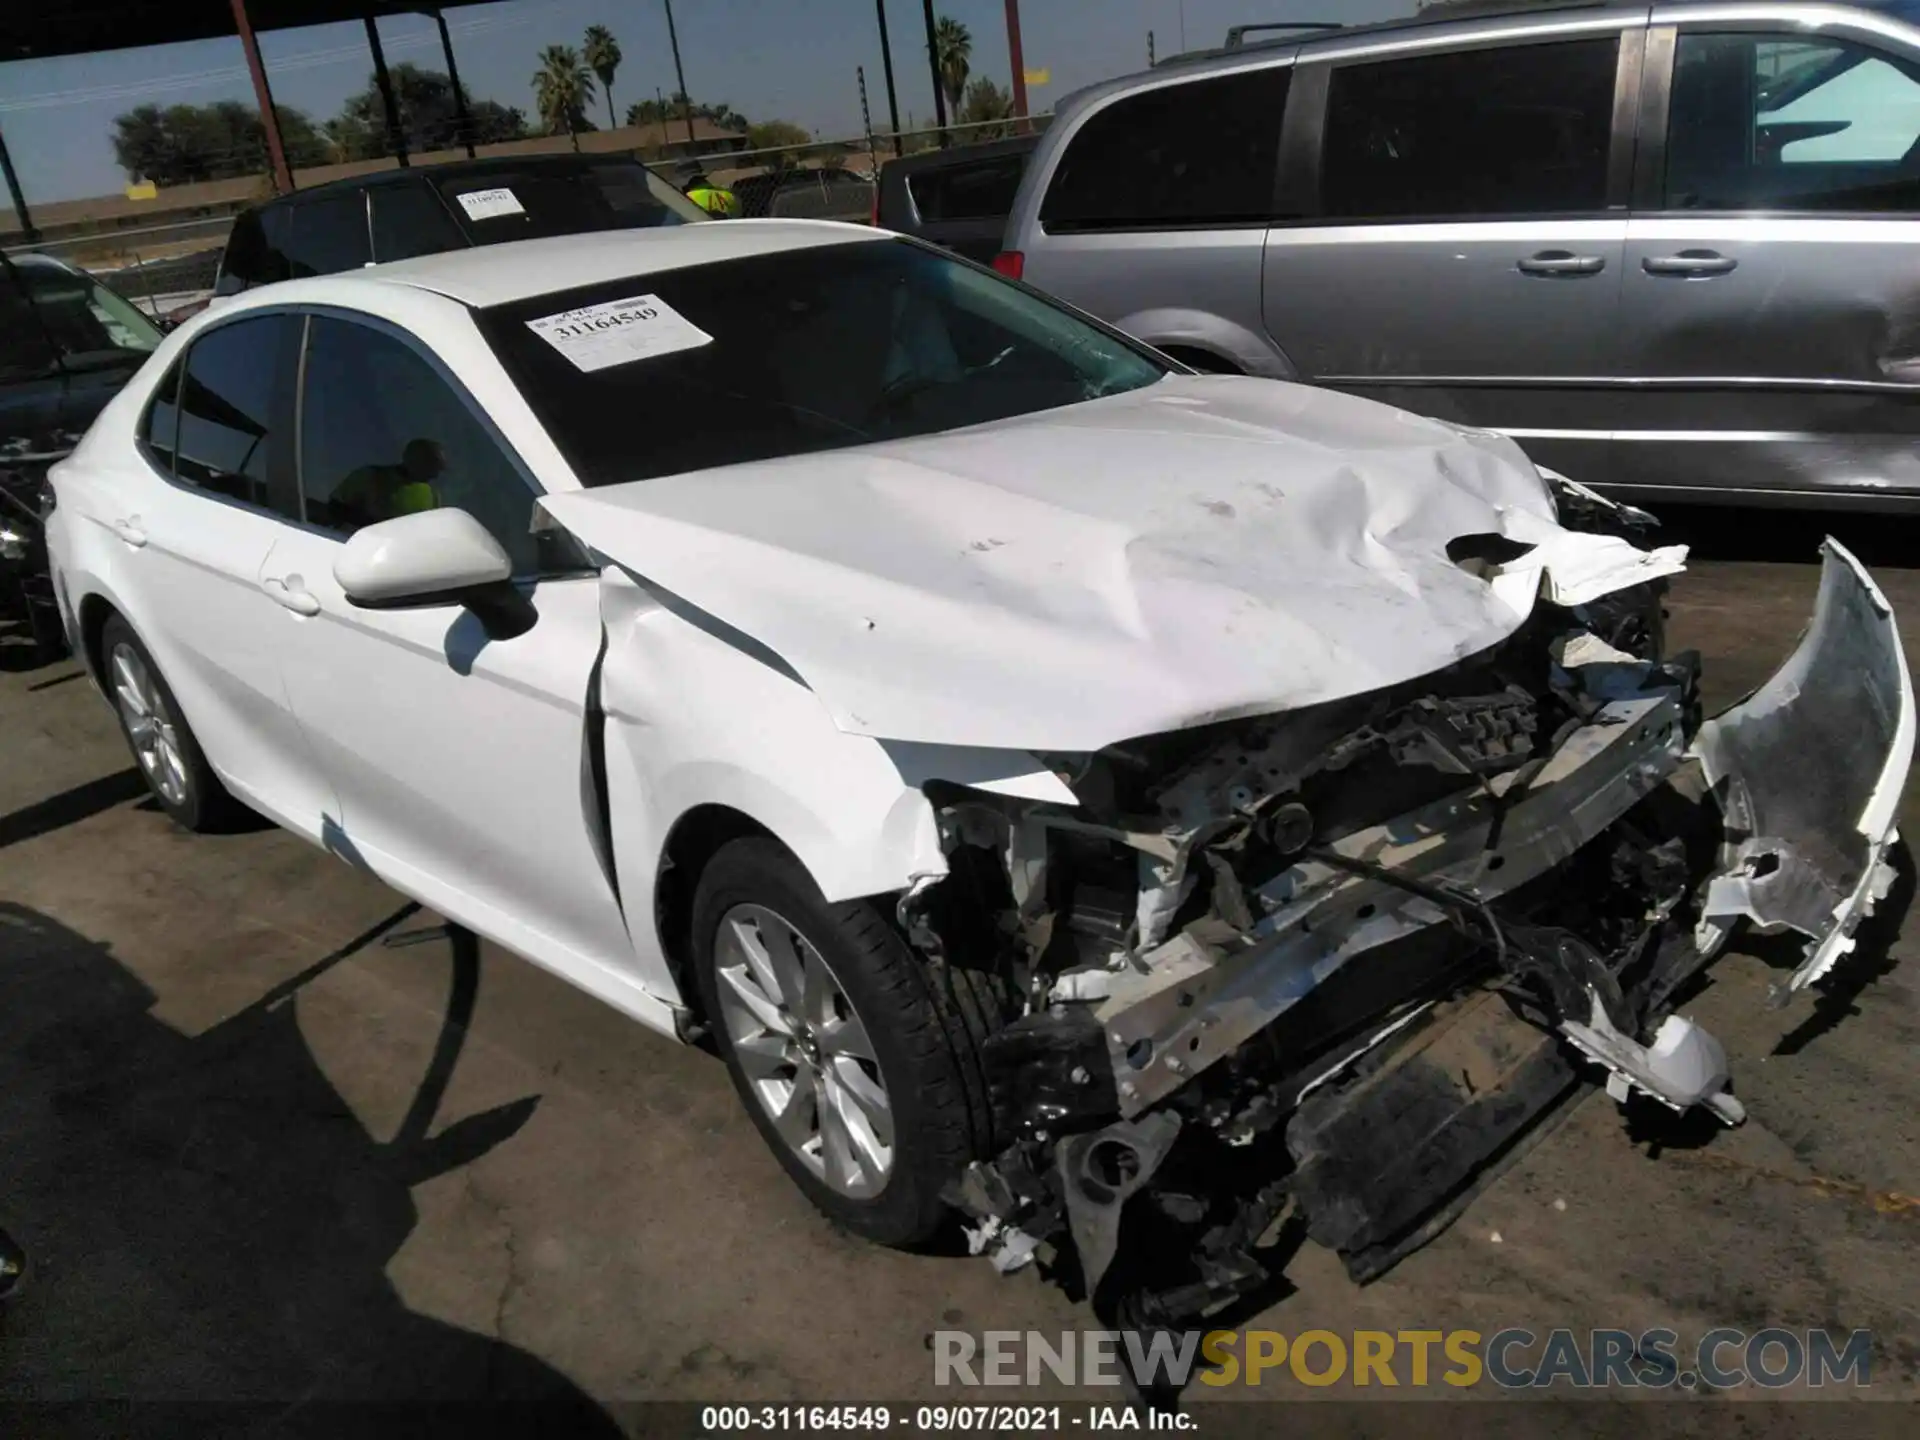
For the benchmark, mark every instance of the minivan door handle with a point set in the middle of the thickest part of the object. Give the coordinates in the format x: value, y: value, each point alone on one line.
x: 1562, y: 262
x: 1689, y: 263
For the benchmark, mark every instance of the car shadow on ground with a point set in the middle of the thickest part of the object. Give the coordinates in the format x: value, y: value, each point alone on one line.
x: 210, y: 1223
x: 1745, y: 532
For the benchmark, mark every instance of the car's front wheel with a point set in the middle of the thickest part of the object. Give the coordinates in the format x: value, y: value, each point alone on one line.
x: 851, y: 1065
x: 170, y: 758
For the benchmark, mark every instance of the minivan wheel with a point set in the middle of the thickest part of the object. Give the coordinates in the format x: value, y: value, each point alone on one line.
x: 163, y: 745
x: 836, y: 1042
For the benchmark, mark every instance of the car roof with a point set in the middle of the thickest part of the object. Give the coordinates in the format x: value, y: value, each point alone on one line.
x: 1466, y: 17
x: 447, y: 170
x: 937, y: 159
x: 488, y: 275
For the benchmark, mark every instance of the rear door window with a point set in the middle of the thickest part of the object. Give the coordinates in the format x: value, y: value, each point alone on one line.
x: 160, y: 426
x: 1188, y: 155
x: 328, y: 235
x: 409, y: 220
x: 983, y: 190
x: 26, y: 352
x: 1519, y: 130
x: 231, y: 430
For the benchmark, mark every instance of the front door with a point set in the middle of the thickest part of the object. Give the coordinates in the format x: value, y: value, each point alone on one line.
x: 1770, y: 269
x: 1463, y: 257
x: 460, y: 761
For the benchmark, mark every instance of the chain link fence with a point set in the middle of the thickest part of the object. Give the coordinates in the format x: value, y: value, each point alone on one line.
x: 163, y: 266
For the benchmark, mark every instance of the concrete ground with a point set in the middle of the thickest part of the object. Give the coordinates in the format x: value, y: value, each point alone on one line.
x: 254, y: 1153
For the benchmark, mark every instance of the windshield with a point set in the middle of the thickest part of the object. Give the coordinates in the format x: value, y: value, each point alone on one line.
x: 793, y: 352
x: 558, y: 199
x: 87, y: 323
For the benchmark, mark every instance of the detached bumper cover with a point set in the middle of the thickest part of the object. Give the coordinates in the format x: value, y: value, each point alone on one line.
x: 1808, y: 772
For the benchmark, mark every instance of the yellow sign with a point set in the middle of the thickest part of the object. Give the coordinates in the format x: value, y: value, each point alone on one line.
x: 1039, y: 77
x: 143, y: 190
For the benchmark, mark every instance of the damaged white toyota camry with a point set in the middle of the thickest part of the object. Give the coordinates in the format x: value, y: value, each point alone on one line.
x: 1115, y: 803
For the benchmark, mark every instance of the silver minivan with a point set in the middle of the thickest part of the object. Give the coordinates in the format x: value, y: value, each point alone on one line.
x: 1672, y: 248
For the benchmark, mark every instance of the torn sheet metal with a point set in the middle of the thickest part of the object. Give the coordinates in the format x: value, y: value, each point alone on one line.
x: 1195, y: 1003
x: 1809, y: 771
x: 1228, y: 549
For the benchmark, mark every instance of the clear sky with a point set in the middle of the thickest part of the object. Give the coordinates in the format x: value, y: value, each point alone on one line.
x: 770, y: 59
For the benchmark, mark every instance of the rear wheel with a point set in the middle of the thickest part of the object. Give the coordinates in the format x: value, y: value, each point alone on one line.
x: 164, y: 746
x: 837, y: 1042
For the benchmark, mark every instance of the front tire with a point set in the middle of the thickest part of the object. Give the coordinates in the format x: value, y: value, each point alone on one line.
x: 170, y: 759
x: 837, y: 1042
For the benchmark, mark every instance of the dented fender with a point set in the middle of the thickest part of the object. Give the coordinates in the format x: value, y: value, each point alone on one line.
x: 693, y: 715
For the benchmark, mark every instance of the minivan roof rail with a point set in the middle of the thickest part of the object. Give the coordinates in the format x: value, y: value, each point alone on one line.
x: 1237, y: 35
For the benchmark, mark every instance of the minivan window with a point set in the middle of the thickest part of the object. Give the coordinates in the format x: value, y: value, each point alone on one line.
x: 1762, y: 122
x: 409, y: 220
x: 328, y: 234
x: 1518, y: 130
x: 795, y: 352
x: 228, y: 434
x: 1199, y: 153
x: 983, y: 190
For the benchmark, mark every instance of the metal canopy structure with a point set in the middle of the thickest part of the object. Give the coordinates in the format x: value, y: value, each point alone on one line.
x: 81, y: 27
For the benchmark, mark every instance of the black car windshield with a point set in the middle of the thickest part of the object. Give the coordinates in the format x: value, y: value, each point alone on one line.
x: 794, y: 352
x: 512, y: 203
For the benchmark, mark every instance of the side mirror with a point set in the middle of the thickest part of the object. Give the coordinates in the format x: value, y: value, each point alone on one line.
x: 435, y: 557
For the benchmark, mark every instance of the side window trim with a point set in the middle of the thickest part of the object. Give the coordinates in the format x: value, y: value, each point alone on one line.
x: 1303, y: 142
x: 382, y: 326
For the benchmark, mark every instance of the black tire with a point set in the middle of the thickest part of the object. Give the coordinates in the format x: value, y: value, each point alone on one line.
x: 206, y: 806
x: 924, y: 1050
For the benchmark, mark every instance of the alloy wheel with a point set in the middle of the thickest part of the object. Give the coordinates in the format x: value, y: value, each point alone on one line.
x: 804, y: 1050
x: 150, y: 725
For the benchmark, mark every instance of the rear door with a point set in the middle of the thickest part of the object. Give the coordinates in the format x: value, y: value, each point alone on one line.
x: 194, y: 531
x: 1468, y: 204
x: 1772, y: 290
x: 1155, y: 212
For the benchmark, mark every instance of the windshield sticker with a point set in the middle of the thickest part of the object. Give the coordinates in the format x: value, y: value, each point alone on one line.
x: 619, y: 331
x: 491, y: 204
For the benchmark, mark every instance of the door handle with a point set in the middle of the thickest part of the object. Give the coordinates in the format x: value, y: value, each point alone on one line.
x: 129, y: 530
x: 1689, y: 263
x: 1562, y: 262
x: 292, y: 594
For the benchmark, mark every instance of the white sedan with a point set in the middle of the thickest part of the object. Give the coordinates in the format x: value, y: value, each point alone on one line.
x: 1050, y: 776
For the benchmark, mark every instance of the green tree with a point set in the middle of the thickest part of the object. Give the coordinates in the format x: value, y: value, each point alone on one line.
x: 186, y: 144
x: 985, y: 101
x: 562, y: 90
x: 953, y: 49
x: 602, y: 54
x: 429, y: 119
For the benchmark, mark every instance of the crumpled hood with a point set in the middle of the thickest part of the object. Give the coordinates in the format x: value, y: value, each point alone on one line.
x: 1202, y: 549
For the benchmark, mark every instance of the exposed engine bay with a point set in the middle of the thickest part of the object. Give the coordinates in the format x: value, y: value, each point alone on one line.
x: 1326, y: 967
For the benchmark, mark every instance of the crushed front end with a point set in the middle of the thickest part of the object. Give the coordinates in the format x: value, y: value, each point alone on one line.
x: 1326, y: 968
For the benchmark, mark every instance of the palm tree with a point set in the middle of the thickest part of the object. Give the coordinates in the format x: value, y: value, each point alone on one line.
x: 562, y: 89
x: 953, y: 47
x: 602, y: 54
